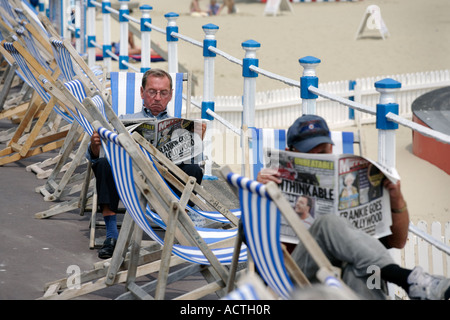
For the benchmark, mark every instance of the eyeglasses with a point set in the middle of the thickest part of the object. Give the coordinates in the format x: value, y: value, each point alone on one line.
x: 163, y: 93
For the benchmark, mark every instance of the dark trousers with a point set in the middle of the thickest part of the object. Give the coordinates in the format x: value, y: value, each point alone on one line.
x: 106, y: 188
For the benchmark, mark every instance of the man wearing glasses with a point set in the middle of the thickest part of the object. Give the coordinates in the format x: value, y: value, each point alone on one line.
x: 156, y: 93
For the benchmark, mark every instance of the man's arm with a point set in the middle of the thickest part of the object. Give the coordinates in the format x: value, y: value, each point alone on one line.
x: 94, y: 147
x: 400, y: 216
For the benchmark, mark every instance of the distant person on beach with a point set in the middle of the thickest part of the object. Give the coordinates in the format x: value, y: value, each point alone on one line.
x: 214, y: 8
x: 133, y: 49
x: 351, y: 249
x: 195, y: 9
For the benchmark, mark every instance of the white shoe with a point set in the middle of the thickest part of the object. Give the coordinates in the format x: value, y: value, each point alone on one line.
x: 425, y: 286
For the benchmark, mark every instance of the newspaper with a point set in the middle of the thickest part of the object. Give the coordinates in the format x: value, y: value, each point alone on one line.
x: 180, y: 140
x: 347, y: 185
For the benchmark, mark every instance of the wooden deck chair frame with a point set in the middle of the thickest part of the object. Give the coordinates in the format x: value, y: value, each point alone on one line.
x: 19, y: 105
x: 207, y: 205
x: 34, y: 143
x: 163, y: 191
x: 32, y: 111
x: 70, y: 71
x: 66, y: 161
x: 160, y: 197
x: 276, y: 267
x: 73, y: 92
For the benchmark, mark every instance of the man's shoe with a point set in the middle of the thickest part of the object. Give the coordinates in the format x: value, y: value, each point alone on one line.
x: 425, y: 286
x: 107, y: 250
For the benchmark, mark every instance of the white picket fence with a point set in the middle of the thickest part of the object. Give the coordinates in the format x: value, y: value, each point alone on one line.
x: 419, y: 252
x: 278, y: 108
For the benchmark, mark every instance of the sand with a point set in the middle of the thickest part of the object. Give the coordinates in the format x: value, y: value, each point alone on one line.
x: 418, y: 41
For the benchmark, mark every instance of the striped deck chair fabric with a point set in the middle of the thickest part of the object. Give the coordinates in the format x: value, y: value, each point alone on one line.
x: 64, y: 60
x: 261, y: 221
x: 77, y: 89
x: 277, y: 139
x: 33, y: 81
x: 212, y: 215
x: 126, y: 97
x: 261, y: 224
x: 122, y: 167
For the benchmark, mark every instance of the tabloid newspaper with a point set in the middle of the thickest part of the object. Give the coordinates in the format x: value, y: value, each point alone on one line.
x: 180, y: 140
x: 347, y: 185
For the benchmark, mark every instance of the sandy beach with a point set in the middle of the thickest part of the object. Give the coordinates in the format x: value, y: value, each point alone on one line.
x: 418, y: 41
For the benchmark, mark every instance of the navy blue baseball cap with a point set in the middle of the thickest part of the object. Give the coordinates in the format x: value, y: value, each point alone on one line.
x: 307, y: 132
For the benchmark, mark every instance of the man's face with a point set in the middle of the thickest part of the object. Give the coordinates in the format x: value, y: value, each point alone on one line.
x: 156, y: 94
x: 301, y: 206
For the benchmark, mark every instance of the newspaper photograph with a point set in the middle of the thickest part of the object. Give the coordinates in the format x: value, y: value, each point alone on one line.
x: 180, y: 140
x: 347, y: 185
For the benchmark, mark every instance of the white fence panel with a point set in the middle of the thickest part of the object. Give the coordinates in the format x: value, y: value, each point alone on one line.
x: 278, y: 108
x: 418, y: 252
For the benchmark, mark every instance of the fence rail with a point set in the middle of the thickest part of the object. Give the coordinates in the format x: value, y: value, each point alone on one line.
x: 277, y: 108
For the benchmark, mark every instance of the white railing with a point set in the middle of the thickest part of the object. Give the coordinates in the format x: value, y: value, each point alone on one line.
x: 420, y: 252
x: 277, y: 108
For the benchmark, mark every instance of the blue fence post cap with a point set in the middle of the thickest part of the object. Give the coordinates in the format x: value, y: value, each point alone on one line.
x: 388, y: 83
x: 145, y: 7
x: 309, y: 60
x: 171, y: 15
x: 210, y: 26
x: 251, y: 44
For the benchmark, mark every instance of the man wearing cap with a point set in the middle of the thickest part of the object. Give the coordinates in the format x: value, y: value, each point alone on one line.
x: 348, y: 248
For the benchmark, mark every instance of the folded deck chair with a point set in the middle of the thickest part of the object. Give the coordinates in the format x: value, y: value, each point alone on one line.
x: 260, y: 139
x: 262, y: 207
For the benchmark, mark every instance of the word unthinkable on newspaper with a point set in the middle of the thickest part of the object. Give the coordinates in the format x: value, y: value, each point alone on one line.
x: 347, y: 185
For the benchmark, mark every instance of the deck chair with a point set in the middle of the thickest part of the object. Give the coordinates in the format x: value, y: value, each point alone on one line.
x: 11, y: 78
x: 13, y: 105
x: 34, y: 143
x: 126, y: 99
x: 262, y: 207
x: 73, y: 92
x: 260, y: 139
x: 68, y: 160
x: 125, y: 158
